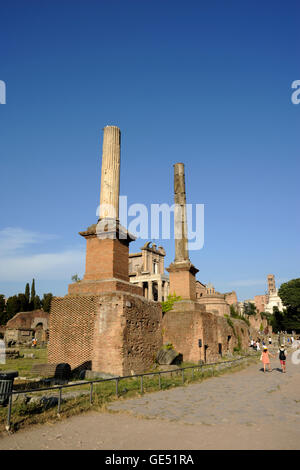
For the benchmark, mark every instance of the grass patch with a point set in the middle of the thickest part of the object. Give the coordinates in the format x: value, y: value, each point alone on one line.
x: 24, y: 364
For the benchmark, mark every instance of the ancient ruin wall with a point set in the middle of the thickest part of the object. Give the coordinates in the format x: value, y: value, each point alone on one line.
x: 116, y: 333
x: 71, y: 332
x: 184, y: 329
x: 127, y: 334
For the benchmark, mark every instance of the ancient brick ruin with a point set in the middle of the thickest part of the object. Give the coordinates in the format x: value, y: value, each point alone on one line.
x: 24, y: 326
x: 106, y: 324
x: 190, y: 326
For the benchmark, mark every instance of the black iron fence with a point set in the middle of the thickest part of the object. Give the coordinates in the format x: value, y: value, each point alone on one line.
x: 59, y: 388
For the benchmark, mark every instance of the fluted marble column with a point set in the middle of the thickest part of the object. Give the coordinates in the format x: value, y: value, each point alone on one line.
x: 180, y: 219
x: 110, y: 173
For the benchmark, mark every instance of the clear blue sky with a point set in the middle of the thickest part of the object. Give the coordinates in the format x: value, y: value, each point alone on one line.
x: 204, y: 83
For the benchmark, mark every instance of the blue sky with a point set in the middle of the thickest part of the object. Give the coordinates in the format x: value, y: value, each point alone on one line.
x: 203, y: 83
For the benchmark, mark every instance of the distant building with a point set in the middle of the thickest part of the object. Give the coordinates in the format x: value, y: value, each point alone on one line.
x: 260, y: 302
x: 147, y: 270
x: 266, y: 302
x: 26, y: 325
x: 214, y: 301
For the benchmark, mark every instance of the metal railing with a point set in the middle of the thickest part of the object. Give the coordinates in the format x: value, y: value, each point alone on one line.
x: 117, y: 381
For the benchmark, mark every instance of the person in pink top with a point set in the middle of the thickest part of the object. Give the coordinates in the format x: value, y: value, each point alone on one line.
x: 265, y: 358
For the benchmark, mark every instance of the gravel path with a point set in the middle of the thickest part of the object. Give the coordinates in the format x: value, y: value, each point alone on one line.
x: 243, y: 410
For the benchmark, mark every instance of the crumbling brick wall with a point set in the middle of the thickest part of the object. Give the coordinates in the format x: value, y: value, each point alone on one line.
x: 71, y: 332
x: 116, y: 333
x: 127, y: 334
x: 184, y: 329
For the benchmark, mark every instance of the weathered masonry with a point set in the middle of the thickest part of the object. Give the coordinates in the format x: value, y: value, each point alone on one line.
x: 105, y: 323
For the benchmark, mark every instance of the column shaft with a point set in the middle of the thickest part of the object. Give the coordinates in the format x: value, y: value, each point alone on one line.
x: 110, y: 173
x: 180, y: 219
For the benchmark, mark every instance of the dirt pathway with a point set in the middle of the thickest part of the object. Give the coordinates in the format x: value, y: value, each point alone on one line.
x: 242, y: 410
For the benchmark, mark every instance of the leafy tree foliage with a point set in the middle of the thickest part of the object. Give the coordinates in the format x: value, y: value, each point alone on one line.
x: 289, y: 292
x: 75, y: 278
x: 168, y: 304
x: 27, y: 293
x: 46, y: 302
x: 32, y: 293
x: 249, y: 308
x: 23, y: 303
x: 2, y: 303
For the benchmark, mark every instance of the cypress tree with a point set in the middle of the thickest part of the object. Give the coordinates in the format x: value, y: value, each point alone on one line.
x: 36, y: 303
x: 27, y: 294
x: 33, y: 294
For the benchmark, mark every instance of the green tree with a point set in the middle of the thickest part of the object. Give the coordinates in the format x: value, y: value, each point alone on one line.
x: 3, y: 319
x: 276, y: 320
x: 23, y: 304
x: 289, y: 292
x: 249, y: 308
x: 33, y: 293
x: 2, y: 303
x: 12, y: 306
x: 46, y: 302
x: 168, y: 304
x: 75, y: 278
x: 27, y: 294
x: 37, y: 303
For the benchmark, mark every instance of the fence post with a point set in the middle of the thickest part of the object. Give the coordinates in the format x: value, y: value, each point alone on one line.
x: 7, y: 427
x: 182, y: 372
x: 59, y: 401
x: 117, y: 387
x: 142, y: 390
x: 193, y: 373
x: 159, y: 381
x: 91, y: 393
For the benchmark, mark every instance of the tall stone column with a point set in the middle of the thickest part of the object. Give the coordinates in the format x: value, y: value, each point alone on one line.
x: 150, y: 290
x: 180, y: 219
x: 166, y: 290
x: 107, y: 248
x: 110, y: 173
x: 159, y: 290
x: 182, y: 271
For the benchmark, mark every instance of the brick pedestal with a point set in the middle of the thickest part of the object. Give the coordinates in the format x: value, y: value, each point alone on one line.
x: 182, y: 279
x: 106, y: 267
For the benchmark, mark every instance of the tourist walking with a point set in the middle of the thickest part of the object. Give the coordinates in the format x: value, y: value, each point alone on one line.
x: 282, y: 358
x: 265, y: 358
x: 270, y: 340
